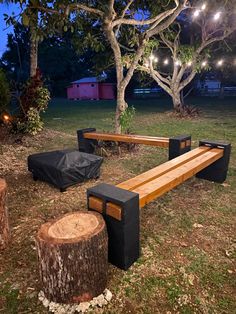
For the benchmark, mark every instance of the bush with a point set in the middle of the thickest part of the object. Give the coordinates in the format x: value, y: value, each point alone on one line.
x: 4, y: 92
x: 126, y: 119
x: 33, y: 101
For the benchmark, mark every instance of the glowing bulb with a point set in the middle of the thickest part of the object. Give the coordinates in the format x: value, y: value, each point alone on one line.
x: 196, y: 13
x: 189, y: 63
x: 220, y: 63
x: 217, y: 16
x: 152, y: 57
x: 6, y: 117
x: 166, y: 61
x: 204, y: 63
x: 203, y: 7
x: 155, y: 60
x: 178, y: 63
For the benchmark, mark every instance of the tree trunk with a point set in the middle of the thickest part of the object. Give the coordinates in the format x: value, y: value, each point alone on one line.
x: 73, y: 257
x: 120, y: 107
x: 33, y: 56
x: 222, y: 91
x: 4, y: 223
x: 178, y: 104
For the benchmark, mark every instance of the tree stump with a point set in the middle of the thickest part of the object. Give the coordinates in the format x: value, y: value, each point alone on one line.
x: 73, y: 257
x: 4, y: 223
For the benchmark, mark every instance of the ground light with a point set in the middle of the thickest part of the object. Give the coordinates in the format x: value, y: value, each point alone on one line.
x: 6, y: 117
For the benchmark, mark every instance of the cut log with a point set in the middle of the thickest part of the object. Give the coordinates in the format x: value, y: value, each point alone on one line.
x: 73, y: 257
x: 4, y: 222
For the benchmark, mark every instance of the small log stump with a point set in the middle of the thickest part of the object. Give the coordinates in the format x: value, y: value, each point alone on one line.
x: 4, y: 222
x: 73, y: 257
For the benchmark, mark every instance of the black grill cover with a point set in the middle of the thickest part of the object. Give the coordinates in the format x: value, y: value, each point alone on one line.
x: 63, y: 168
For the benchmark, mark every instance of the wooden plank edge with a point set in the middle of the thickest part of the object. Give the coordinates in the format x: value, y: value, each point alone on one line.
x: 112, y: 210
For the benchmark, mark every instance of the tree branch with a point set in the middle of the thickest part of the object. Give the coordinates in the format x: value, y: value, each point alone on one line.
x: 123, y: 15
x: 167, y: 42
x: 208, y: 42
x: 187, y: 80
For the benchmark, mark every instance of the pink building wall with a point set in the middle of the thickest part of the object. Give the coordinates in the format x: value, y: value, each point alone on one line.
x: 90, y: 91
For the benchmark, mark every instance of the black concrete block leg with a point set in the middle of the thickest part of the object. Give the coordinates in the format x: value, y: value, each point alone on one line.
x: 179, y: 145
x: 123, y: 236
x: 86, y: 145
x: 216, y: 172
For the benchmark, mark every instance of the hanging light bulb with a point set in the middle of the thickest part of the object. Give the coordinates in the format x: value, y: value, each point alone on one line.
x: 220, y: 63
x: 217, y: 16
x: 155, y: 60
x: 204, y: 63
x: 203, y: 7
x: 178, y: 63
x: 189, y: 63
x: 196, y: 13
x: 166, y: 61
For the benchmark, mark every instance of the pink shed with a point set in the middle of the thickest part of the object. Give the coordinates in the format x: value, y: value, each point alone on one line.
x: 90, y: 88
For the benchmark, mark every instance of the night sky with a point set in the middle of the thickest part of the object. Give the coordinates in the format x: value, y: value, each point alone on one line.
x: 8, y: 9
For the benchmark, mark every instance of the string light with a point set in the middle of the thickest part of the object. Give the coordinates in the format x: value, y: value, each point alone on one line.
x: 178, y: 63
x: 166, y: 61
x: 217, y: 16
x: 220, y: 62
x: 203, y: 7
x: 196, y: 13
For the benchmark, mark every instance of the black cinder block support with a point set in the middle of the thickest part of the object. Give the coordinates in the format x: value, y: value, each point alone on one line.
x: 179, y: 145
x: 123, y: 236
x: 86, y: 145
x: 217, y: 172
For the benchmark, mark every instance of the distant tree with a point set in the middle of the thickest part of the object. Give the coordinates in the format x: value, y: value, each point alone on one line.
x: 4, y: 92
x: 181, y: 50
x: 15, y: 59
x: 53, y: 51
x: 115, y: 18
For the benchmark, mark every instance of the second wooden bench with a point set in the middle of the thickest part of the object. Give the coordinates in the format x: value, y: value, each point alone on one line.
x: 120, y: 204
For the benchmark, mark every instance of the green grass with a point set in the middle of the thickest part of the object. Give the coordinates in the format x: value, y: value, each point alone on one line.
x: 172, y: 249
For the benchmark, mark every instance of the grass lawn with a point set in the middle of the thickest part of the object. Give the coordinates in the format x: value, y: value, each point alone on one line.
x: 188, y: 236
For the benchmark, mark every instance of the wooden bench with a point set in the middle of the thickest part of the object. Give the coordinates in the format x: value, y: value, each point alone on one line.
x: 88, y: 140
x: 210, y: 161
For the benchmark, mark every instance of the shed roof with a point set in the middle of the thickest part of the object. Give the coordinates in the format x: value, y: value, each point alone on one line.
x: 88, y: 80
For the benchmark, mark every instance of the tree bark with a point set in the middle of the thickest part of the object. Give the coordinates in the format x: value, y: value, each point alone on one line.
x: 33, y: 56
x: 73, y: 257
x: 4, y: 223
x: 121, y: 106
x: 178, y: 104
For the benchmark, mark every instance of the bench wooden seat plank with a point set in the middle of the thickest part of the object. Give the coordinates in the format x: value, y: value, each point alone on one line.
x: 157, y: 187
x: 156, y: 172
x: 138, y: 139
